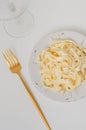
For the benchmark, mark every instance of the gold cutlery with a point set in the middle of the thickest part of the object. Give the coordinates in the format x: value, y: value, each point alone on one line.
x: 15, y: 67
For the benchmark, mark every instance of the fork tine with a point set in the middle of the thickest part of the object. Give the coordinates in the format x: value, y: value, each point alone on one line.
x: 10, y: 59
x: 13, y: 56
x: 6, y: 59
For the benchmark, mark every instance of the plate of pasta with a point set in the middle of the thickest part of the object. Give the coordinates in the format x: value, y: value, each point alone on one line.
x: 58, y: 66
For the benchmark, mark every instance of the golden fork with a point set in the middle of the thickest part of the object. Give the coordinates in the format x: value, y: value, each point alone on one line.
x: 15, y: 67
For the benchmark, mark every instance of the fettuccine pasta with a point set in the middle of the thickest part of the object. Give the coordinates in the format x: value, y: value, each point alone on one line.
x: 62, y: 65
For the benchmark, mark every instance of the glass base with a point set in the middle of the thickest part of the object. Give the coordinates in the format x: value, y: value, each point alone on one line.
x: 21, y: 26
x: 10, y: 9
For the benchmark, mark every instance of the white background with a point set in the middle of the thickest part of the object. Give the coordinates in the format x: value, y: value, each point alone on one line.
x: 16, y: 110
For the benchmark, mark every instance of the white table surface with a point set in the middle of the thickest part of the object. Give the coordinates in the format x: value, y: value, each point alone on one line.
x: 16, y: 110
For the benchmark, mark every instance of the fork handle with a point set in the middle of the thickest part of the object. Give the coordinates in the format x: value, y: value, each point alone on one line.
x: 34, y: 101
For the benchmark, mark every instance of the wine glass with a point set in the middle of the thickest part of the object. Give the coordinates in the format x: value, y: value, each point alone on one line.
x: 17, y: 20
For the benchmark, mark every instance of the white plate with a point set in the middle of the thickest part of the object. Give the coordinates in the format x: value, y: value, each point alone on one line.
x: 74, y: 95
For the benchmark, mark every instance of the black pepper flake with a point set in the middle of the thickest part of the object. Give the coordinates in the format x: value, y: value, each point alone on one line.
x: 62, y: 33
x: 36, y: 83
x: 35, y: 51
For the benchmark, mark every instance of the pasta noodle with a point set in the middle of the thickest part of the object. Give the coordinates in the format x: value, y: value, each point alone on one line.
x: 62, y: 65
